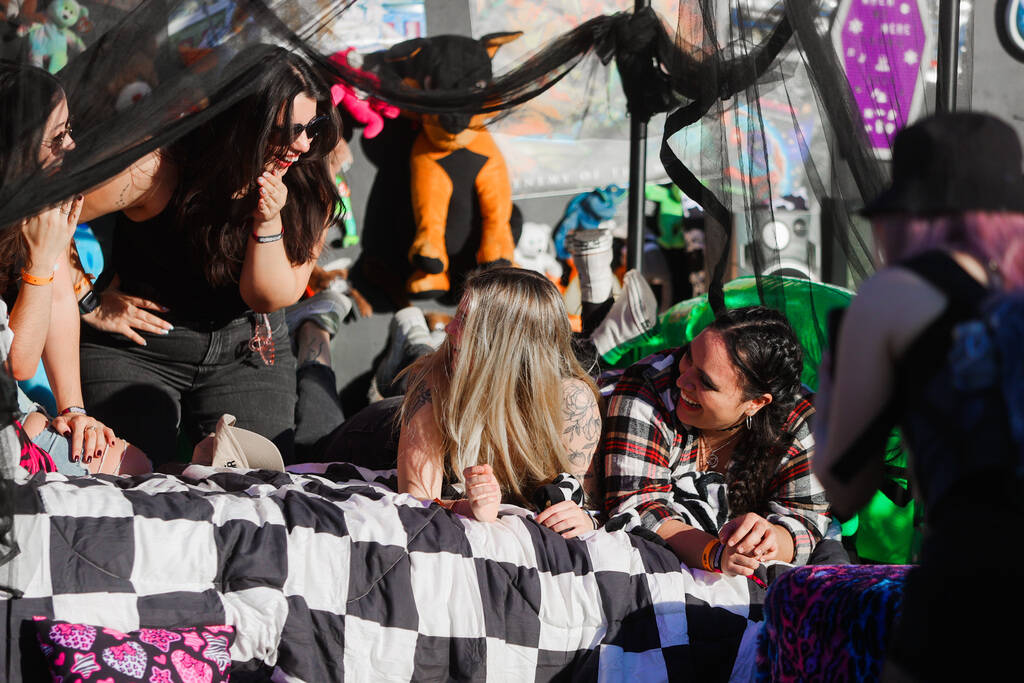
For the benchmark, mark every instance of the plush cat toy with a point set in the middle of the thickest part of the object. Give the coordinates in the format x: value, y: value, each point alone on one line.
x: 53, y: 42
x: 456, y: 178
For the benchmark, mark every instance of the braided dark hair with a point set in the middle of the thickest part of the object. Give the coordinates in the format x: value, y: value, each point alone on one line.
x: 765, y: 350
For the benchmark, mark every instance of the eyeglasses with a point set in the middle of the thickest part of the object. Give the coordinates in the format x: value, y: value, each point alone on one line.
x: 312, y: 129
x: 58, y: 140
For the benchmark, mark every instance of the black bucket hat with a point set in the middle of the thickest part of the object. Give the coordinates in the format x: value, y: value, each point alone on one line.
x: 953, y: 163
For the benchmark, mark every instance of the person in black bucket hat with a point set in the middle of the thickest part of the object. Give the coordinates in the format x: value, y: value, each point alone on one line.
x: 952, y: 163
x: 912, y: 351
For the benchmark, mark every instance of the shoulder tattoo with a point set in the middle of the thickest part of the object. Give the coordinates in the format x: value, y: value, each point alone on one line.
x: 415, y: 402
x: 581, y: 422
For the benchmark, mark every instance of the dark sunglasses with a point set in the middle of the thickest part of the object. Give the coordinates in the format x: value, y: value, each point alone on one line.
x: 312, y: 129
x: 58, y: 140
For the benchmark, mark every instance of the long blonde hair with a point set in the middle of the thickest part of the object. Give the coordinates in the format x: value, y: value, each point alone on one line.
x: 497, y: 392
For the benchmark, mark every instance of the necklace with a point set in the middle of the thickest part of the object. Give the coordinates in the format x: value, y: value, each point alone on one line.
x: 711, y: 459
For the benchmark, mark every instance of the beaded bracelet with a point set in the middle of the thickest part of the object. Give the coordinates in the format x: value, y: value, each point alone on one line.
x: 267, y: 239
x: 30, y: 279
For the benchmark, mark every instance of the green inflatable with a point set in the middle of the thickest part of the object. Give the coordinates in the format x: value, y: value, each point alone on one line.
x: 884, y: 530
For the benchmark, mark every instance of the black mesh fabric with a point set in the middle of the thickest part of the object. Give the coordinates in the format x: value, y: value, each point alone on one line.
x: 731, y: 77
x: 708, y: 75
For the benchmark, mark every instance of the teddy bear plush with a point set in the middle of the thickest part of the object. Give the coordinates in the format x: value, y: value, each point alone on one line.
x: 535, y: 250
x: 455, y: 176
x: 54, y: 41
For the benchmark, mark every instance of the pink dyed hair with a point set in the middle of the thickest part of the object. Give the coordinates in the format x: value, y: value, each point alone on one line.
x: 994, y: 238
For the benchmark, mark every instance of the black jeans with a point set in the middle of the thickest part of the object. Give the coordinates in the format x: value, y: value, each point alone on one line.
x: 317, y: 411
x: 187, y: 379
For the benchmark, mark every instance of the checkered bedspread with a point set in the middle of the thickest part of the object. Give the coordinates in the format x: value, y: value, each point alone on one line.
x: 329, y: 575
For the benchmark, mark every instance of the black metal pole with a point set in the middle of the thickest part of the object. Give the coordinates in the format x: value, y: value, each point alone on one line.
x: 637, y: 180
x: 949, y: 55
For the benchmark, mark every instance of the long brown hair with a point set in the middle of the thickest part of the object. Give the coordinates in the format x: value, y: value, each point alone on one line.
x: 224, y: 158
x: 29, y: 95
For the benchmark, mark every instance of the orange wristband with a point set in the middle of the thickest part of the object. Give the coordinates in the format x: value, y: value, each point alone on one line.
x: 705, y: 556
x: 80, y: 285
x: 33, y: 280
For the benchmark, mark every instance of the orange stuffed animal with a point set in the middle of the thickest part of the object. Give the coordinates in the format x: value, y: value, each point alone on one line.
x: 459, y: 186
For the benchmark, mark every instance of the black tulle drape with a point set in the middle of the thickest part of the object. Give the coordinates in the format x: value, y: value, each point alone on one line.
x: 730, y: 76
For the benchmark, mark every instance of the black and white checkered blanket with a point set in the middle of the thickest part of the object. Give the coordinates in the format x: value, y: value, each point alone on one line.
x: 329, y: 575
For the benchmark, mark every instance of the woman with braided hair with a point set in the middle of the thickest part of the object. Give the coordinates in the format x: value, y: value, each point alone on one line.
x: 709, y: 447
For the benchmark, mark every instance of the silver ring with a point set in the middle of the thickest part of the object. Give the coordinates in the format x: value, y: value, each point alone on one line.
x: 88, y: 428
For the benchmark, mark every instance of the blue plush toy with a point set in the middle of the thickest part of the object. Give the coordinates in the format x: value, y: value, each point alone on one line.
x: 587, y: 210
x: 53, y: 42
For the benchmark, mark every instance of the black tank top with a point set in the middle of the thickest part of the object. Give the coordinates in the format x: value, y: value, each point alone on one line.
x: 154, y: 259
x: 956, y: 437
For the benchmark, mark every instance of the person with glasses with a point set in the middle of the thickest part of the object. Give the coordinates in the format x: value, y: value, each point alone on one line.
x: 35, y: 281
x: 215, y: 234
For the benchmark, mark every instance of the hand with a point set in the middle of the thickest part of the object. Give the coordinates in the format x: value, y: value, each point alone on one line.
x: 737, y: 564
x: 120, y: 313
x: 751, y: 535
x: 89, y: 437
x: 567, y: 518
x: 49, y: 233
x: 340, y: 157
x: 482, y: 492
x: 273, y: 196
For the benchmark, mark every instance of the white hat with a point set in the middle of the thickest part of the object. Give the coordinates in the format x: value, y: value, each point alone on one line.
x: 237, y: 448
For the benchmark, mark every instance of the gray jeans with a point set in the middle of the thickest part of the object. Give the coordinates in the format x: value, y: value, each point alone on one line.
x: 186, y: 380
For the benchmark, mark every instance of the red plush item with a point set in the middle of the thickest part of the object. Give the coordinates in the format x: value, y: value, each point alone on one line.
x: 80, y: 652
x: 369, y: 111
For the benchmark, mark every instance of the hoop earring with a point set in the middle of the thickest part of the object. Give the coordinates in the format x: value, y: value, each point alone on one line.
x: 749, y: 421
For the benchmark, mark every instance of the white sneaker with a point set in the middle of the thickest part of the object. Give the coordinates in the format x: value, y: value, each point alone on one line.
x: 632, y: 314
x: 326, y: 308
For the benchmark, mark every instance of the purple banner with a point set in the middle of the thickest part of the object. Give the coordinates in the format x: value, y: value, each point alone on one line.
x: 881, y: 44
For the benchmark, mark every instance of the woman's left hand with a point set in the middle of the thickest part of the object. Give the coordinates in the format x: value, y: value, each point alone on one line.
x: 567, y: 518
x: 482, y: 492
x: 273, y: 196
x: 751, y: 535
x: 89, y: 437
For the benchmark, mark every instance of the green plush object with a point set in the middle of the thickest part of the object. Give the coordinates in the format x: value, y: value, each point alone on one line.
x: 884, y: 532
x: 670, y: 214
x: 805, y: 303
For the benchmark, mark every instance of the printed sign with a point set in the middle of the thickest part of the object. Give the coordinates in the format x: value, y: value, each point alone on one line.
x: 882, y: 44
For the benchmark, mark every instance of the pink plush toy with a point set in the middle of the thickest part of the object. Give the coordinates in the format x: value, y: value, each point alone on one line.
x: 369, y: 111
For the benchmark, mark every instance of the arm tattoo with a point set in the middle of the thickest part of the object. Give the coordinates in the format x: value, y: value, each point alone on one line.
x: 417, y: 401
x: 581, y: 428
x: 121, y: 201
x: 581, y: 458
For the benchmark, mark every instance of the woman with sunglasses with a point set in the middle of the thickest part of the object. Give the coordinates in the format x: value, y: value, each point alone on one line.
x: 35, y: 282
x: 217, y: 232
